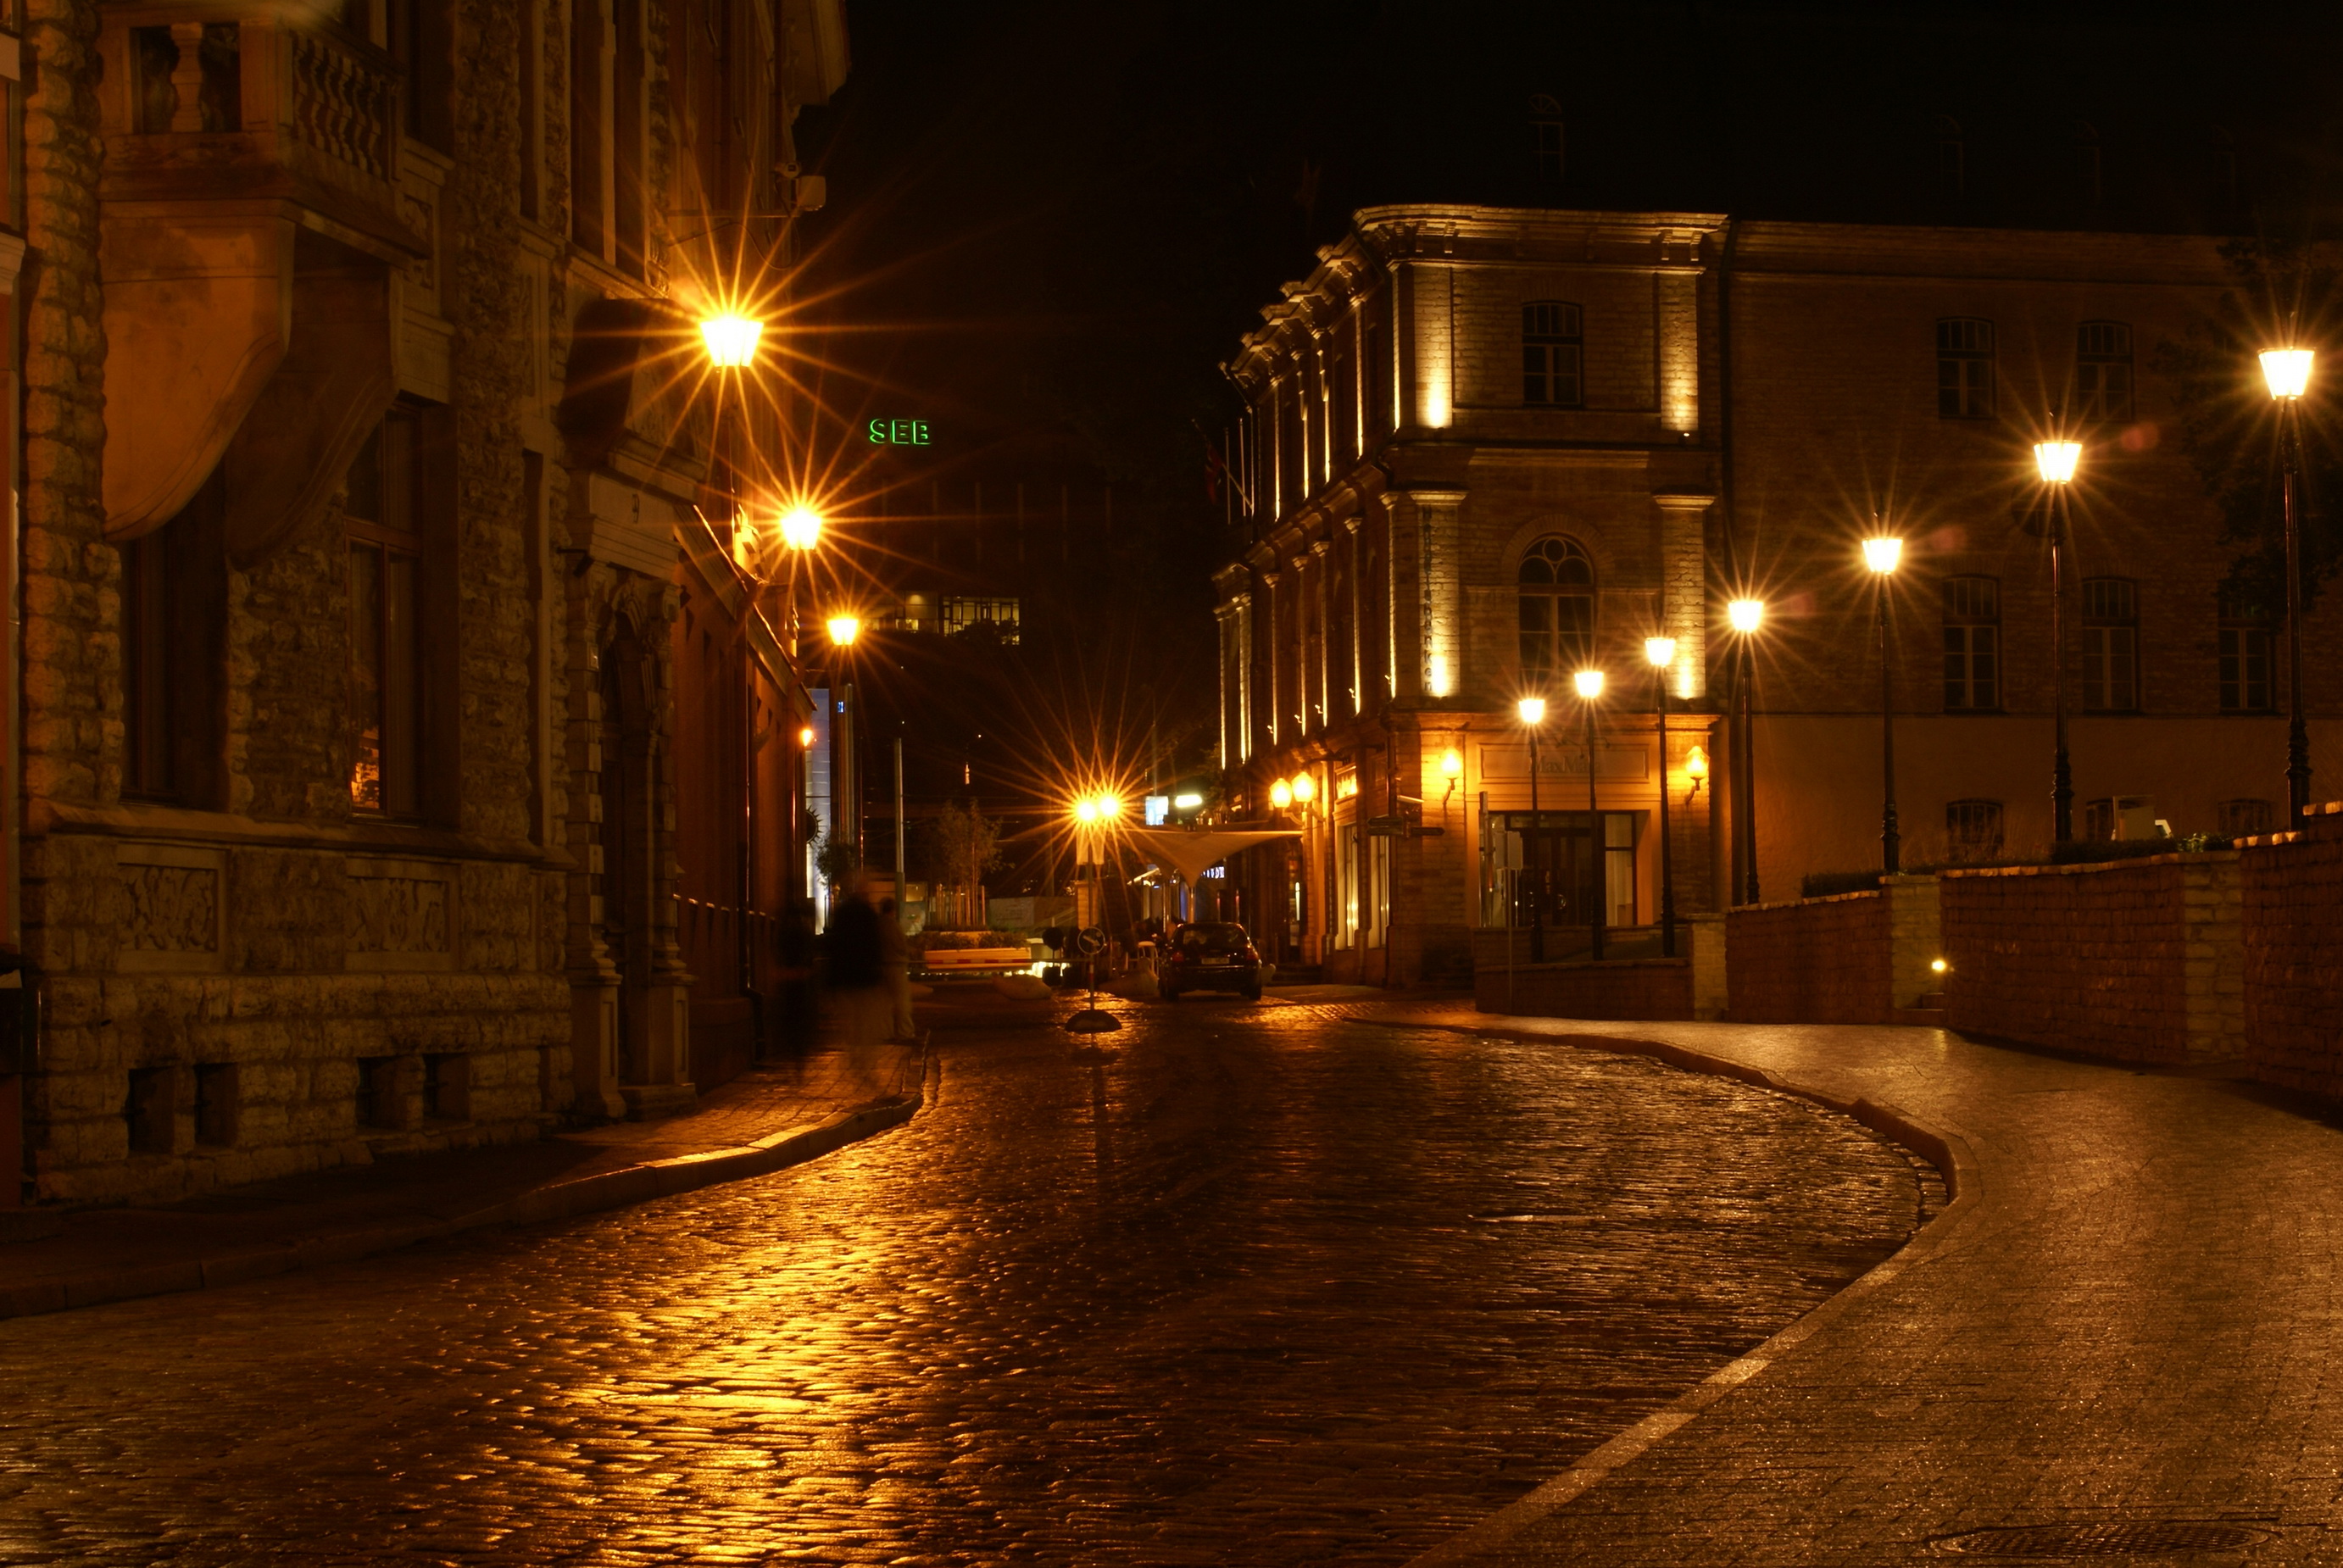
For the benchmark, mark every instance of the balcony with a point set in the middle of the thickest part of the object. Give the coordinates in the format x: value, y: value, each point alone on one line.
x: 251, y: 220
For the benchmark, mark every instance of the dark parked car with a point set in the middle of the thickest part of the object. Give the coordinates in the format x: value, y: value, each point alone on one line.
x: 1210, y: 955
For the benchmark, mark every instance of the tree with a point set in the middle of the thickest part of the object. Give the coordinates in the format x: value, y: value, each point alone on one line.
x: 958, y: 845
x: 836, y: 859
x: 2229, y: 423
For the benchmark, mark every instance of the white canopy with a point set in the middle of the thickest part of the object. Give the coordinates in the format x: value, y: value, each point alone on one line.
x: 1188, y: 855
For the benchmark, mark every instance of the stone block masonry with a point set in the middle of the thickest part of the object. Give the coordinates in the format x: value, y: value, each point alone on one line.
x: 2291, y: 889
x: 1810, y: 961
x: 2140, y: 961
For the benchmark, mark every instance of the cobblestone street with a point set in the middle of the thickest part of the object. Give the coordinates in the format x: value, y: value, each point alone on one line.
x: 1260, y: 1286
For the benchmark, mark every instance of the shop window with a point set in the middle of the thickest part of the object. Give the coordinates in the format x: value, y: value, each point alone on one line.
x: 1556, y: 583
x: 2110, y: 645
x: 1972, y: 645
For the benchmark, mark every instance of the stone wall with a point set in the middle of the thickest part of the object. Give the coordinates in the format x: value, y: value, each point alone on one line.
x: 1811, y: 961
x: 2291, y: 888
x: 2141, y: 960
x: 1645, y: 989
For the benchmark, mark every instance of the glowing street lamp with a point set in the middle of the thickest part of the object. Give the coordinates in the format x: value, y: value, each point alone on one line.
x: 1305, y: 787
x: 1280, y: 795
x: 1532, y: 714
x: 1589, y: 683
x: 2055, y: 460
x: 1659, y: 652
x: 1882, y: 553
x: 844, y: 629
x: 800, y: 527
x: 731, y: 339
x: 2287, y: 371
x: 1746, y: 616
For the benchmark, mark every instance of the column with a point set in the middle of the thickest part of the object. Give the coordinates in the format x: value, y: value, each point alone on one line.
x: 1683, y: 589
x: 1678, y: 308
x: 1276, y: 654
x: 1225, y: 615
x: 1350, y: 527
x: 1403, y: 604
x: 1322, y: 554
x: 1441, y: 573
x: 1242, y: 604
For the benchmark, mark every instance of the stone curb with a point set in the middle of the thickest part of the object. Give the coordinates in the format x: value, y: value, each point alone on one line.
x: 1947, y: 1151
x: 617, y: 1188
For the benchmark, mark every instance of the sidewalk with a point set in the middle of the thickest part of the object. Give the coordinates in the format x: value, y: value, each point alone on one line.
x: 2120, y: 1338
x: 770, y: 1118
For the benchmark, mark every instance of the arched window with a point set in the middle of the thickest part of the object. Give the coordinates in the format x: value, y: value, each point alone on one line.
x: 1551, y: 344
x: 1557, y: 609
x: 1546, y: 143
x: 1952, y: 157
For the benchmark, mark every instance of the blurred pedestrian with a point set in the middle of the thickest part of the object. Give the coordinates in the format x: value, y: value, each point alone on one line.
x: 895, y: 959
x: 857, y: 979
x: 799, y: 1003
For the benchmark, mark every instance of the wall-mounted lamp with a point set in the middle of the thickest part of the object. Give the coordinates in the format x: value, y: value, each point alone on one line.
x: 1695, y: 769
x: 1452, y: 768
x: 1280, y: 795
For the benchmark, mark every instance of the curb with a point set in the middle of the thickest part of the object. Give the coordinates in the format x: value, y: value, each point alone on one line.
x: 1947, y: 1151
x: 617, y: 1188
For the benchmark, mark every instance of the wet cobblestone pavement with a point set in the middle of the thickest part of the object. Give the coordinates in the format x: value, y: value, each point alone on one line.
x: 1256, y: 1286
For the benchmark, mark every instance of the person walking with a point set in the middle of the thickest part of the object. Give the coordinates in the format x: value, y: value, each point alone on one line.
x: 797, y: 1002
x: 857, y: 979
x: 895, y: 961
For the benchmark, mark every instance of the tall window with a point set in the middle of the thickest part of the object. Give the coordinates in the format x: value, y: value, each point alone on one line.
x: 2245, y: 662
x: 1964, y: 367
x: 2103, y: 370
x: 1952, y: 157
x: 1557, y: 607
x: 1972, y: 829
x: 1551, y: 343
x: 1972, y: 644
x: 385, y: 642
x: 2083, y: 152
x: 2110, y: 645
x: 174, y: 595
x: 1546, y: 144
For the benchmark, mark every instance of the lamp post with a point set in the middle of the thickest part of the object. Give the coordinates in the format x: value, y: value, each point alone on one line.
x: 845, y: 770
x: 1661, y: 652
x: 1881, y: 554
x: 1532, y: 714
x: 1589, y: 683
x: 2287, y: 371
x: 2056, y: 459
x: 1745, y: 616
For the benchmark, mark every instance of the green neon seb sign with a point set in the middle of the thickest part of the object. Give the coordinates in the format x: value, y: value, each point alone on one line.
x: 900, y: 433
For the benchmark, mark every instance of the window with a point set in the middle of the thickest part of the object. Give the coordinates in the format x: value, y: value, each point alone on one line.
x: 997, y: 615
x: 1551, y: 343
x: 386, y: 641
x: 1557, y: 607
x: 173, y: 596
x: 1952, y: 158
x: 1546, y: 142
x: 2245, y: 662
x: 2103, y: 371
x: 2100, y: 819
x: 1972, y: 829
x: 2110, y: 645
x: 1972, y: 644
x: 2083, y: 152
x: 2222, y: 159
x: 1964, y: 369
x: 2244, y: 819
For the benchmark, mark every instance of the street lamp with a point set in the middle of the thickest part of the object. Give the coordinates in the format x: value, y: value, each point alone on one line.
x: 1532, y: 714
x: 1745, y: 616
x: 1305, y: 787
x: 731, y: 339
x: 844, y: 629
x: 1280, y: 795
x: 801, y: 529
x: 1589, y: 683
x: 1661, y: 652
x: 1882, y: 554
x: 2055, y: 460
x: 2287, y: 371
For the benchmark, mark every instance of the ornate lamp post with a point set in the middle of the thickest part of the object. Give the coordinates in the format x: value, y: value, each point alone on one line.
x: 2056, y: 459
x: 1661, y: 652
x: 1882, y: 554
x: 1745, y: 616
x: 1590, y: 688
x: 1532, y: 714
x: 2287, y: 371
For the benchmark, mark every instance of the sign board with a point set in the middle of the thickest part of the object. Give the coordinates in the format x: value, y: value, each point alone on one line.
x: 1564, y: 760
x: 899, y: 432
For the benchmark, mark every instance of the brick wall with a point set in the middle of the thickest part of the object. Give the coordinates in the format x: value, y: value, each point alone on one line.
x: 1813, y: 960
x: 2142, y: 961
x: 2291, y: 888
x: 1646, y: 988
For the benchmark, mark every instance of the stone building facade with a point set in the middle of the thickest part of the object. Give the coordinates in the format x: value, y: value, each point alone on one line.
x: 1490, y: 447
x: 375, y: 514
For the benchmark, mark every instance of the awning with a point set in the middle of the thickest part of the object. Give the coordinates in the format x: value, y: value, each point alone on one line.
x: 1188, y: 855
